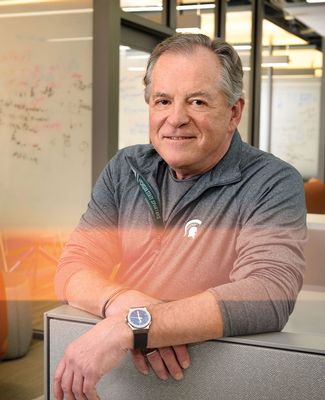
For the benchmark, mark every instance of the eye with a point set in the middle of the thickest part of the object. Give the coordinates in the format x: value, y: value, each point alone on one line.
x: 161, y: 102
x: 198, y: 102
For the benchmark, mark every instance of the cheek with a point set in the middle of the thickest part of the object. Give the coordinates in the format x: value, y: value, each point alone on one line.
x: 209, y: 126
x: 220, y: 122
x: 156, y: 120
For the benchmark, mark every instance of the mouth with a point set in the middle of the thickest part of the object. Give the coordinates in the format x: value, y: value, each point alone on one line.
x: 178, y: 138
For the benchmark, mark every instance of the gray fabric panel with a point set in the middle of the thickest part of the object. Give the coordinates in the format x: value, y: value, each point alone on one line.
x: 219, y: 371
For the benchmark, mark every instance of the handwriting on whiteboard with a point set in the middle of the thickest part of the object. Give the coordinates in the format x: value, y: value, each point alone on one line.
x: 43, y: 105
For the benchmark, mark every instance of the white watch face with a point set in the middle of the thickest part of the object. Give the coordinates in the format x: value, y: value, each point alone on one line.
x: 139, y: 318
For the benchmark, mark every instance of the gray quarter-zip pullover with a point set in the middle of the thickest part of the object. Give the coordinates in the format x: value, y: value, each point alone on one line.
x: 238, y: 230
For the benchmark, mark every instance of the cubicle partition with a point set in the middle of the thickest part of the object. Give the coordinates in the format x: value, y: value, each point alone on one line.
x: 284, y: 365
x: 274, y: 366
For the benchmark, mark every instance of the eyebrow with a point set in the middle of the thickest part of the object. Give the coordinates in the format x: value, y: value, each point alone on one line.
x: 160, y: 94
x: 199, y: 93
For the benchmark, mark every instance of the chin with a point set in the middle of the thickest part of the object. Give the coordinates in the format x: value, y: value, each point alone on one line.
x: 179, y: 169
x: 175, y: 162
x: 175, y: 157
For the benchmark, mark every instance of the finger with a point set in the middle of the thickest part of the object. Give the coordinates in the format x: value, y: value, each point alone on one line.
x: 157, y: 365
x: 140, y: 362
x: 66, y: 384
x: 182, y: 355
x: 77, y: 387
x: 89, y: 389
x: 171, y: 362
x: 57, y: 389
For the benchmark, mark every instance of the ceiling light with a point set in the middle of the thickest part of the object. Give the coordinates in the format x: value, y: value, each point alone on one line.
x: 288, y: 17
x: 242, y: 47
x: 307, y: 31
x: 195, y: 7
x: 188, y: 30
x: 142, y: 9
x: 318, y: 72
x: 139, y: 57
x: 136, y: 69
x: 124, y: 48
x: 71, y: 39
x: 185, y: 7
x: 42, y: 13
x: 315, y: 1
x: 20, y: 2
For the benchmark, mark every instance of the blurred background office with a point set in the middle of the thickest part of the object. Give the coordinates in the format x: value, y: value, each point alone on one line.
x: 71, y: 95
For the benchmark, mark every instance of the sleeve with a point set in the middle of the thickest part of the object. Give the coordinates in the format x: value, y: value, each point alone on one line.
x: 94, y: 244
x: 268, y: 272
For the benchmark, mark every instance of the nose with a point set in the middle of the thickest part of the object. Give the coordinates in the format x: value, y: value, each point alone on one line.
x: 178, y: 115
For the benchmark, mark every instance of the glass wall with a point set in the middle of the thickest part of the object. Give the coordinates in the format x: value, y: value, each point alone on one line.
x: 195, y: 17
x: 290, y: 99
x: 191, y: 16
x: 45, y: 139
x: 239, y: 33
x: 149, y: 9
x: 133, y: 112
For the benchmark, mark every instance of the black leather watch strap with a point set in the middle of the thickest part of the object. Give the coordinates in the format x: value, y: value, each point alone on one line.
x: 140, y: 339
x: 139, y: 320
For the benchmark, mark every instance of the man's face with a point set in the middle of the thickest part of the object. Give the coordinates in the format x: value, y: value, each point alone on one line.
x: 191, y: 124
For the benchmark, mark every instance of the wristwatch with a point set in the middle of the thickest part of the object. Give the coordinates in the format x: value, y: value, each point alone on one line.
x: 139, y: 320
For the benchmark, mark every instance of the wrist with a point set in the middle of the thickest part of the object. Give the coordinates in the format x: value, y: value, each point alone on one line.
x: 127, y: 334
x: 139, y: 321
x: 117, y: 330
x: 111, y: 299
x: 130, y: 298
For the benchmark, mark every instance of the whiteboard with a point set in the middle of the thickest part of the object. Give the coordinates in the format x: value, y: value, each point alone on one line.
x: 45, y: 120
x: 133, y: 110
x: 295, y: 121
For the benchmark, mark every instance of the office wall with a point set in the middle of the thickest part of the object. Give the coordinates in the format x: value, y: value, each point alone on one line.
x: 45, y: 119
x: 133, y: 110
x: 294, y: 130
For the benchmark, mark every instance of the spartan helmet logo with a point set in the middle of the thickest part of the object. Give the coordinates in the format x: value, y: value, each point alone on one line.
x: 191, y: 228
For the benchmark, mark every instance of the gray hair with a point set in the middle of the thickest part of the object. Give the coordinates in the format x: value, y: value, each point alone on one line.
x: 231, y: 82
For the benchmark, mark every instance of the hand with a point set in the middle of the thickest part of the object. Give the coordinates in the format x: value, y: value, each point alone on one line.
x: 89, y: 357
x: 165, y: 361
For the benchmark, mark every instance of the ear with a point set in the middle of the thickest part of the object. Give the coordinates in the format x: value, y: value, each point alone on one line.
x: 236, y: 113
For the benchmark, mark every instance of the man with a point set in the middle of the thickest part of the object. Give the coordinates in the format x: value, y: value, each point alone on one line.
x: 207, y: 231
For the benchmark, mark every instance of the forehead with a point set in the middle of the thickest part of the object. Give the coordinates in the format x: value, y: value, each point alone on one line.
x: 199, y: 64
